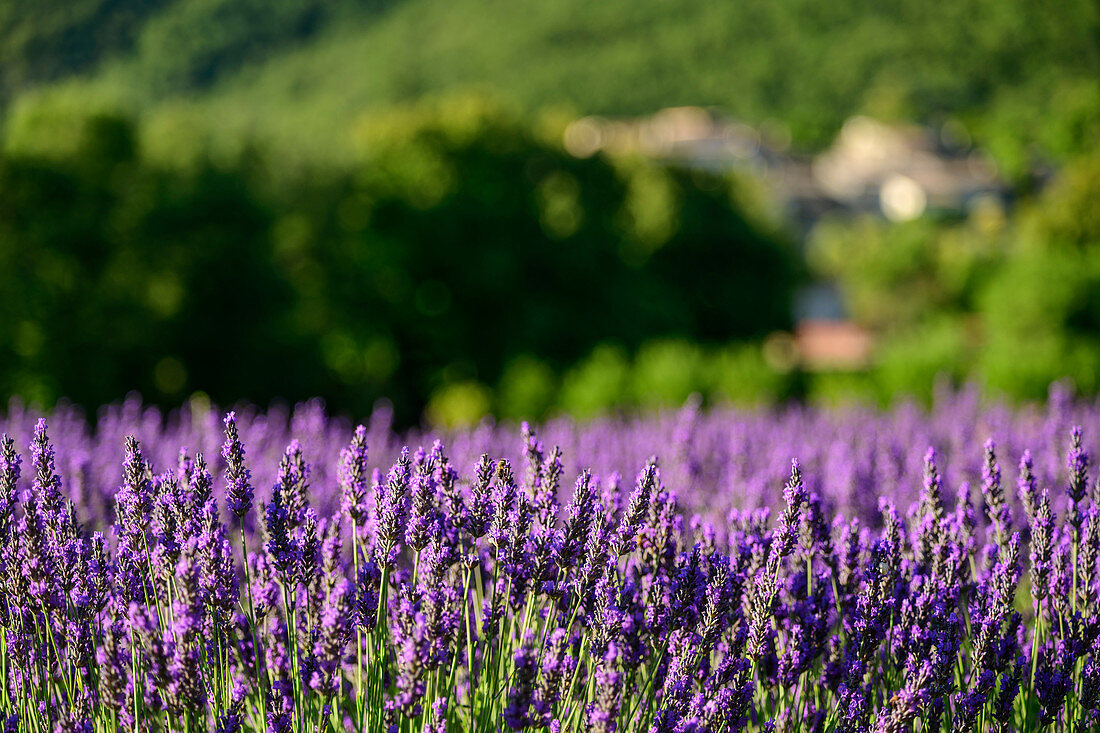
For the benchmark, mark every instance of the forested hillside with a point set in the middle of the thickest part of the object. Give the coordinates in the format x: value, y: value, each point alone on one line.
x: 1019, y: 72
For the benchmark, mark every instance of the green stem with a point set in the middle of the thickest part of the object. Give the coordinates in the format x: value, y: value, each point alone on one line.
x: 252, y: 624
x: 358, y: 634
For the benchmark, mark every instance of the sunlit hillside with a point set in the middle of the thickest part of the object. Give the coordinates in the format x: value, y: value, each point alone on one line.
x: 302, y: 69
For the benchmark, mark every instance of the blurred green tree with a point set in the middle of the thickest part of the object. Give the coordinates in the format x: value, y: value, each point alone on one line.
x: 460, y: 240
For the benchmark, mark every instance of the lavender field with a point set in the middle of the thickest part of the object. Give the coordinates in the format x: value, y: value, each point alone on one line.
x: 790, y: 569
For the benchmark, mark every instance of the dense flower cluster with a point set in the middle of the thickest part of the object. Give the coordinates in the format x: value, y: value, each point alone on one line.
x: 268, y: 582
x: 716, y: 460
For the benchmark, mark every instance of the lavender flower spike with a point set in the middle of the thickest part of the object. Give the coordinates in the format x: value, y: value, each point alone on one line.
x: 9, y: 478
x: 353, y: 477
x: 1077, y: 461
x: 794, y: 496
x: 637, y: 509
x: 47, y: 484
x: 996, y: 507
x: 238, y: 487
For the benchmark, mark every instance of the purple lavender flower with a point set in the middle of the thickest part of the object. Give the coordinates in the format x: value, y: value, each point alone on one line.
x: 815, y: 531
x: 931, y: 528
x: 480, y: 509
x: 332, y: 547
x: 1026, y: 486
x: 964, y: 519
x: 284, y: 552
x: 794, y: 496
x: 1087, y: 559
x: 35, y: 557
x: 333, y: 636
x: 47, y: 484
x: 906, y: 704
x: 308, y: 545
x: 637, y: 509
x: 1077, y: 460
x: 603, y: 712
x: 436, y: 721
x: 238, y: 487
x: 522, y: 690
x: 1042, y: 544
x: 533, y: 452
x: 218, y: 574
x: 9, y: 479
x: 546, y: 500
x: 423, y: 491
x: 367, y: 594
x: 232, y: 719
x: 505, y: 495
x: 718, y: 603
x: 1007, y: 692
x: 280, y: 713
x: 996, y: 506
x: 392, y: 509
x: 1053, y: 679
x: 557, y: 667
x: 200, y: 485
x: 353, y: 477
x: 135, y: 497
x: 1090, y: 680
x: 112, y: 666
x: 578, y: 521
x: 185, y: 688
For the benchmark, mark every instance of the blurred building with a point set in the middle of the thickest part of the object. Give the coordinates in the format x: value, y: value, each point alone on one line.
x: 832, y: 345
x: 902, y: 171
x: 896, y: 171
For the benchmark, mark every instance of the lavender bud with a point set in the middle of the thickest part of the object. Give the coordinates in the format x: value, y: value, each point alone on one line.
x: 393, y: 510
x: 504, y: 502
x: 636, y: 511
x: 9, y: 478
x: 603, y: 712
x: 1042, y: 542
x: 309, y: 547
x: 1077, y: 460
x: 281, y: 549
x: 578, y: 521
x: 422, y: 513
x: 996, y: 506
x: 1026, y: 486
x: 294, y: 478
x: 238, y: 489
x: 200, y: 483
x: 930, y: 529
x: 135, y: 496
x: 794, y: 495
x: 479, y: 513
x: 47, y: 484
x: 352, y: 477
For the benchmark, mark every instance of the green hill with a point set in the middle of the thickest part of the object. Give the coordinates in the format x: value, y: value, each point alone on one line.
x: 1019, y: 72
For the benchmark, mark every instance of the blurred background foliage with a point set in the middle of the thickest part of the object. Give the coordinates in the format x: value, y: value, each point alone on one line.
x: 295, y: 198
x: 1021, y: 73
x: 460, y: 248
x: 1012, y: 306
